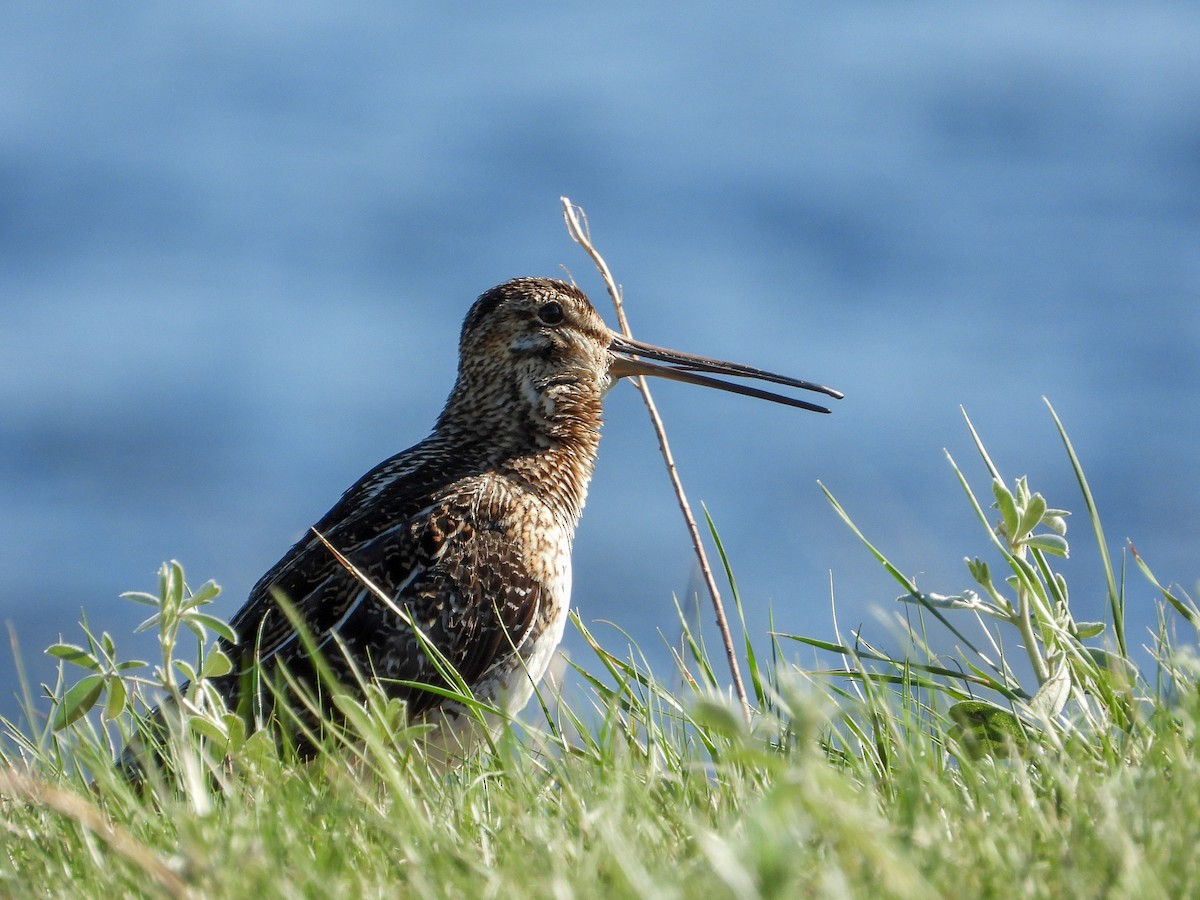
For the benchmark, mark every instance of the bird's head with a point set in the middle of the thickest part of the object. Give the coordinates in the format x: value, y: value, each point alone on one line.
x: 536, y: 345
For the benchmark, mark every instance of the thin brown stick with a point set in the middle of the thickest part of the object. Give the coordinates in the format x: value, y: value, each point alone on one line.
x: 577, y: 227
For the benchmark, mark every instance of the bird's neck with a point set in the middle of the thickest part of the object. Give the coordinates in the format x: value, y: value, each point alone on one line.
x: 544, y: 440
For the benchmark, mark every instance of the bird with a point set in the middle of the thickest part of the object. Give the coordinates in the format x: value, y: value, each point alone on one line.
x: 457, y: 551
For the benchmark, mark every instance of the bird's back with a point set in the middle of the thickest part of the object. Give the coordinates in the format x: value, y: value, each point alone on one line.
x: 443, y: 539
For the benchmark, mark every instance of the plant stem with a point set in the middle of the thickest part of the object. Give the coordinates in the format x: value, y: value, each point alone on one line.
x: 579, y: 234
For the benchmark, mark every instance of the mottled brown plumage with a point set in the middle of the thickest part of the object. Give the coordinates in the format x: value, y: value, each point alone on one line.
x: 469, y: 532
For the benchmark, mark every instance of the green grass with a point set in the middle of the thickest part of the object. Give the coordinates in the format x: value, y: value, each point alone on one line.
x: 935, y: 774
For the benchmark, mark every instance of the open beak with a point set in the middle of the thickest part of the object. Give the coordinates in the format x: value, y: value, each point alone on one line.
x: 627, y: 361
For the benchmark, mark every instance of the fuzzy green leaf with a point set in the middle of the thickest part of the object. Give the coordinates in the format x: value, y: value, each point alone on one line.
x: 75, y: 655
x: 980, y: 571
x: 1085, y: 630
x: 213, y: 624
x: 216, y: 664
x: 118, y: 695
x: 1060, y: 582
x: 1054, y: 544
x: 984, y: 729
x: 141, y: 597
x: 1031, y: 515
x: 235, y: 728
x: 209, y: 590
x: 1007, y: 507
x: 77, y: 701
x: 208, y: 728
x: 1052, y: 696
x: 149, y: 623
x: 968, y: 599
x: 1056, y: 520
x: 185, y: 667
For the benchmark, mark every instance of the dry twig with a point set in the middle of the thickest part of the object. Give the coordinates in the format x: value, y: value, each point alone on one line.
x: 577, y: 227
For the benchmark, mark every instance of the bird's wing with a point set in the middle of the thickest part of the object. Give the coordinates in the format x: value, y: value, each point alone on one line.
x: 421, y: 543
x: 470, y: 595
x: 387, y: 498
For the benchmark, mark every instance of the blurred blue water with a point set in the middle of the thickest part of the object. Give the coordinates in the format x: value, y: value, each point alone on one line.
x: 237, y: 241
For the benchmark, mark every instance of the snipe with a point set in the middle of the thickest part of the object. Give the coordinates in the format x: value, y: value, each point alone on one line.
x: 467, y: 535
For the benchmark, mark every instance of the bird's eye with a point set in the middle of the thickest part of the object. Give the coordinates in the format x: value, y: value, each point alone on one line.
x: 551, y: 313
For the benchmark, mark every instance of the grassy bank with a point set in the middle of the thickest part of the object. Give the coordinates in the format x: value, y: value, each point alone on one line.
x: 1064, y: 771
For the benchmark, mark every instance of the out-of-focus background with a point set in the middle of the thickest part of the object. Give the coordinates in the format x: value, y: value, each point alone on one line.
x: 237, y: 242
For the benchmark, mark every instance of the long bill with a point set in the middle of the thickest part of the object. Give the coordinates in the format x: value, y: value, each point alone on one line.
x: 629, y: 360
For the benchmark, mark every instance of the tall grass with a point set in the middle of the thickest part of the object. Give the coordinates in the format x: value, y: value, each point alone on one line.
x: 1063, y: 771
